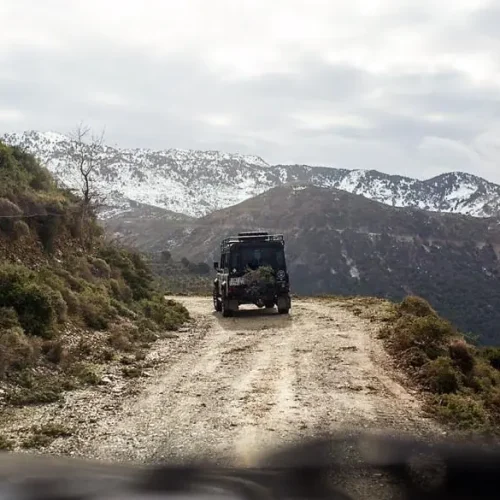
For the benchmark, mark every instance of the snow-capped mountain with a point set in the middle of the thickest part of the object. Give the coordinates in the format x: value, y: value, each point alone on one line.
x: 196, y: 183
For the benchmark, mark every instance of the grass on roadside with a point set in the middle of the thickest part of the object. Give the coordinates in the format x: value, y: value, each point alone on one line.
x: 44, y: 435
x: 461, y: 381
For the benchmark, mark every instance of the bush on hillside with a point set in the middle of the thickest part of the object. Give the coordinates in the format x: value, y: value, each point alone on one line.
x: 120, y: 290
x: 440, y: 376
x: 430, y: 334
x: 100, y: 268
x: 16, y: 351
x: 416, y: 306
x: 85, y: 285
x: 492, y: 355
x: 168, y: 314
x: 8, y: 318
x: 96, y: 309
x: 133, y: 270
x: 463, y: 378
x: 462, y: 355
x: 33, y: 303
x: 461, y: 411
x: 9, y: 213
x: 20, y: 229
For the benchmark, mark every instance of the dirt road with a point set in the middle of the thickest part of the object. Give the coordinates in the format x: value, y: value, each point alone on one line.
x: 243, y: 383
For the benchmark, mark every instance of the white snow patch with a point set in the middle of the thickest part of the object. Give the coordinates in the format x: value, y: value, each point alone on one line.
x: 198, y: 182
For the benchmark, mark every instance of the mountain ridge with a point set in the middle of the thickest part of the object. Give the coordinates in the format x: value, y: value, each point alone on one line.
x: 196, y: 183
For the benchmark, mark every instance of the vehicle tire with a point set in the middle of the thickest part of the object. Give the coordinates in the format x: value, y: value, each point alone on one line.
x: 217, y: 302
x: 283, y: 304
x: 226, y: 312
x: 269, y: 304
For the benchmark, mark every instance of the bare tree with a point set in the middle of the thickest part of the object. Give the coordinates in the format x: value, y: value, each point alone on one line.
x: 84, y: 156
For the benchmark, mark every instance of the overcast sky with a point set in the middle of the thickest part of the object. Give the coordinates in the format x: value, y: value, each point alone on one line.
x: 400, y: 86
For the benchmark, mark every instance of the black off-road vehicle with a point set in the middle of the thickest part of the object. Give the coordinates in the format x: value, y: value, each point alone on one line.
x: 252, y: 270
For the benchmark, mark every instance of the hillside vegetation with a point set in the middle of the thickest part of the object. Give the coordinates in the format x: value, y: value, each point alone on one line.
x: 180, y: 277
x: 460, y: 381
x: 69, y: 301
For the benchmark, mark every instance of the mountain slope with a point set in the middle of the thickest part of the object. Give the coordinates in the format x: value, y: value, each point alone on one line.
x: 196, y: 183
x: 343, y: 243
x: 69, y: 300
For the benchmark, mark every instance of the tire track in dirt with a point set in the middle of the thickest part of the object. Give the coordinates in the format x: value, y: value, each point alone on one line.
x: 260, y: 379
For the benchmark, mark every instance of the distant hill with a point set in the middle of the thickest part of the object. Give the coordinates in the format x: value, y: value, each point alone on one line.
x: 196, y: 183
x: 340, y: 243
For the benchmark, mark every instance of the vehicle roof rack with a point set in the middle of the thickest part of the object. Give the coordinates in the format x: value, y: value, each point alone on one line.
x: 253, y: 233
x: 250, y: 236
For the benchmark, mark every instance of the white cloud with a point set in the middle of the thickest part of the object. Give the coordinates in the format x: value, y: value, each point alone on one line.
x: 216, y: 119
x: 8, y: 116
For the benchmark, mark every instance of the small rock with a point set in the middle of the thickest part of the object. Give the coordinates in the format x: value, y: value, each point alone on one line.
x: 106, y: 380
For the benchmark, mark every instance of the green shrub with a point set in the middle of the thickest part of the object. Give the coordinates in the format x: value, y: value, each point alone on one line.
x: 44, y: 435
x: 168, y: 314
x: 483, y: 377
x: 9, y: 213
x: 123, y: 310
x: 415, y: 357
x: 42, y: 390
x: 16, y: 351
x: 32, y: 302
x: 93, y: 315
x: 120, y: 341
x: 59, y: 305
x: 86, y: 373
x: 462, y: 355
x: 462, y: 411
x: 96, y: 309
x: 82, y: 269
x: 440, y: 376
x: 72, y: 301
x: 54, y: 351
x: 492, y: 355
x: 464, y: 380
x: 20, y: 229
x: 147, y: 324
x: 8, y: 318
x: 34, y: 305
x: 76, y: 284
x: 132, y: 268
x: 416, y: 306
x: 429, y: 334
x: 48, y: 229
x: 100, y: 268
x: 120, y: 290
